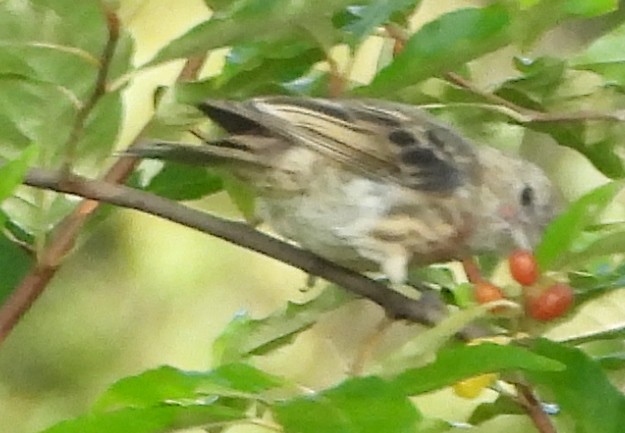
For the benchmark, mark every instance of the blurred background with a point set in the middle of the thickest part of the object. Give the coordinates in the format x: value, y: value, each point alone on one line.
x: 144, y: 292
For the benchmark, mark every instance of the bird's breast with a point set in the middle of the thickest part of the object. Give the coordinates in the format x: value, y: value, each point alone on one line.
x: 352, y: 219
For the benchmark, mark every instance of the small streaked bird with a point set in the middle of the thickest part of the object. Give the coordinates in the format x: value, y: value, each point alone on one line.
x: 370, y: 184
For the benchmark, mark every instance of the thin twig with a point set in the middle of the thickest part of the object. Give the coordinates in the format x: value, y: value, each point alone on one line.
x: 98, y: 91
x: 240, y: 234
x: 534, y: 409
x: 368, y: 346
x: 526, y: 115
x: 192, y: 68
x: 460, y: 81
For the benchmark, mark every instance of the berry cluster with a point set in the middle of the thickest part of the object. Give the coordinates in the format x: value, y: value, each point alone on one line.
x: 543, y: 301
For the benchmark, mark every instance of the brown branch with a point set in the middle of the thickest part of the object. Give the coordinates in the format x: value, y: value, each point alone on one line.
x: 526, y: 115
x: 460, y: 81
x: 192, y: 68
x: 428, y: 311
x: 48, y: 260
x: 534, y: 409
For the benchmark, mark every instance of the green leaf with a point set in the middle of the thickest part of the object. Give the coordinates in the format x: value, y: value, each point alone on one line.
x: 245, y: 336
x: 444, y: 45
x: 359, y: 405
x: 12, y: 173
x: 597, y: 141
x: 503, y: 405
x: 371, y: 16
x: 121, y: 62
x: 603, y: 245
x: 435, y: 425
x: 586, y: 336
x: 561, y: 234
x: 53, y: 41
x: 605, y: 56
x: 218, y: 5
x: 453, y: 365
x: 541, y: 79
x: 34, y: 112
x: 590, y: 8
x: 149, y: 420
x: 262, y: 67
x: 612, y: 362
x: 15, y: 264
x: 242, y: 195
x: 595, y: 279
x: 169, y: 384
x: 185, y: 182
x: 418, y: 350
x: 100, y: 132
x: 582, y: 390
x: 255, y: 21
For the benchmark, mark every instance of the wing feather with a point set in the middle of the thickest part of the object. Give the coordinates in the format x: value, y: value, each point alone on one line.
x: 378, y: 139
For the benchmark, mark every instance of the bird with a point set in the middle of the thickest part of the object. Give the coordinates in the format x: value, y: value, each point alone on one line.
x: 370, y: 184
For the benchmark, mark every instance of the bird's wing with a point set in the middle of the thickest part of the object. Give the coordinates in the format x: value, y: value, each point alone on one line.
x: 378, y: 139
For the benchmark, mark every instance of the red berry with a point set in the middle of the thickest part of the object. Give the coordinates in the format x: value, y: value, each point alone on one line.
x: 523, y: 267
x: 552, y: 303
x: 486, y: 292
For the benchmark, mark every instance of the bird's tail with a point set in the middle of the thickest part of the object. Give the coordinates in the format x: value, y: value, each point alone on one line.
x: 230, y: 151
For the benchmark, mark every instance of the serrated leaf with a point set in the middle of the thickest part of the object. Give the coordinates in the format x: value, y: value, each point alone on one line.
x: 245, y: 336
x: 172, y: 385
x: 359, y: 405
x: 149, y: 420
x: 453, y: 365
x: 561, y: 234
x: 577, y: 389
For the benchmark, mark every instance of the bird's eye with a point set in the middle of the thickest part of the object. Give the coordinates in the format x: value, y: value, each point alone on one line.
x: 527, y: 196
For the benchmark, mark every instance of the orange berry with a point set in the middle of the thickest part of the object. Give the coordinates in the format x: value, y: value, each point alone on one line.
x: 486, y: 292
x: 552, y: 303
x: 523, y: 267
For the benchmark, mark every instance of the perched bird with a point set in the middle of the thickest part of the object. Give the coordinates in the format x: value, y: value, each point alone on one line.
x: 371, y: 184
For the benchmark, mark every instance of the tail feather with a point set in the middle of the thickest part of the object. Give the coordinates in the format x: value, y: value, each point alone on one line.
x: 230, y: 150
x: 236, y: 118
